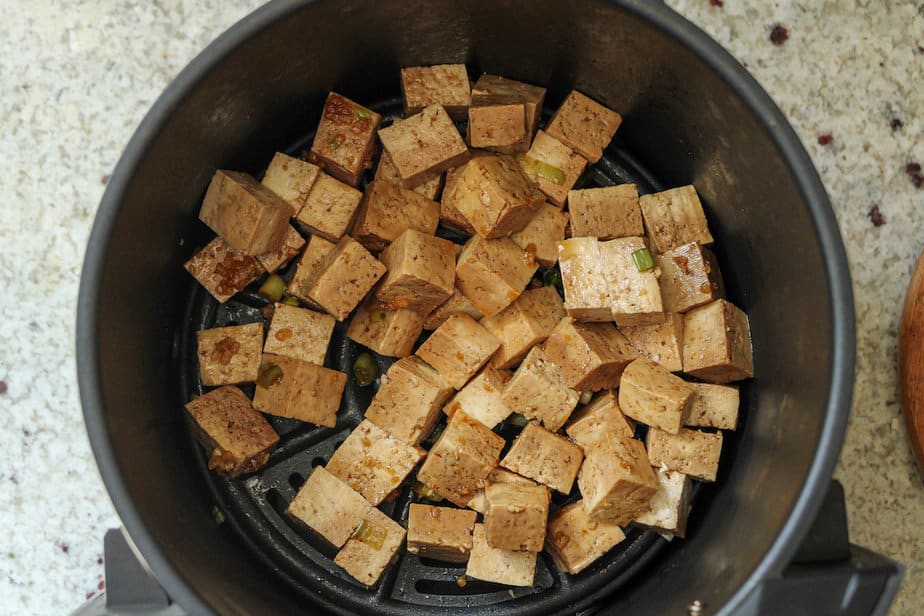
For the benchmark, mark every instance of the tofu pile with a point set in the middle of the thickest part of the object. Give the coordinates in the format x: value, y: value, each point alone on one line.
x: 610, y: 424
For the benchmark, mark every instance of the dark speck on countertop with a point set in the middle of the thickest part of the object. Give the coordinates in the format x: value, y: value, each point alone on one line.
x: 875, y: 216
x: 779, y: 35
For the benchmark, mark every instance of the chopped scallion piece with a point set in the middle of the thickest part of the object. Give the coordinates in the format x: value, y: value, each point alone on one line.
x: 585, y: 397
x: 270, y: 374
x: 534, y: 167
x: 371, y: 534
x: 425, y: 491
x: 365, y: 369
x: 291, y: 301
x: 217, y: 515
x: 643, y: 259
x: 552, y: 278
x: 518, y: 419
x: 334, y: 144
x: 273, y: 288
x: 360, y: 113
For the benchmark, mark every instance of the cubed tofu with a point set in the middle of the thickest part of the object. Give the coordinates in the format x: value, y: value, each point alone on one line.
x: 236, y: 438
x: 458, y: 349
x: 387, y: 332
x: 408, y: 402
x: 386, y: 171
x: 717, y: 343
x: 481, y: 398
x: 542, y: 233
x: 553, y: 166
x: 493, y: 273
x: 456, y: 304
x: 251, y: 218
x: 461, y: 459
x: 516, y: 516
x: 650, y: 394
x: 587, y: 296
x: 584, y: 125
x: 575, y: 540
x: 690, y: 277
x: 491, y: 86
x: 545, y: 457
x: 661, y: 342
x: 372, y: 548
x: 714, y: 406
x: 423, y: 146
x: 592, y: 356
x: 441, y: 84
x: 440, y: 533
x: 670, y: 506
x: 602, y: 418
x: 229, y: 355
x: 674, y: 217
x: 524, y: 324
x: 339, y: 282
x: 289, y: 387
x: 329, y: 208
x: 498, y: 475
x: 292, y: 244
x: 450, y: 216
x: 692, y: 452
x: 345, y: 141
x: 510, y: 567
x: 300, y: 333
x: 329, y: 507
x: 420, y: 272
x: 616, y: 480
x: 538, y: 390
x: 314, y: 254
x: 373, y: 462
x: 499, y: 124
x: 606, y: 213
x: 635, y: 297
x: 388, y: 210
x: 291, y: 179
x: 222, y: 270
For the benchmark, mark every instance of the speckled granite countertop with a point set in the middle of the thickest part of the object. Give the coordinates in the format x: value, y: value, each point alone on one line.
x: 77, y: 77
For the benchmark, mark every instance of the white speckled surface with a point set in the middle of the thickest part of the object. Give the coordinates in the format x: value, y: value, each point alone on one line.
x: 77, y: 77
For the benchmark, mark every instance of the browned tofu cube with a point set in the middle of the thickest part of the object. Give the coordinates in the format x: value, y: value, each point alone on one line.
x: 458, y: 349
x: 345, y: 141
x: 584, y: 125
x: 602, y: 418
x: 523, y: 324
x: 461, y: 459
x: 440, y: 533
x: 670, y: 506
x: 229, y: 355
x: 481, y: 398
x: 717, y: 343
x: 329, y: 208
x: 606, y: 213
x: 420, y: 272
x: 372, y: 548
x: 491, y: 86
x: 300, y: 333
x: 616, y: 480
x: 650, y: 394
x: 674, y: 217
x: 553, y: 166
x: 387, y: 172
x: 387, y: 332
x: 222, y: 270
x: 291, y: 179
x: 314, y: 254
x: 441, y: 84
x: 292, y: 244
x: 692, y: 452
x: 388, y: 210
x: 450, y: 216
x: 498, y: 475
x: 329, y: 507
x: 515, y: 516
x: 592, y: 356
x: 289, y: 387
x: 498, y: 124
x: 661, y: 342
x: 456, y: 304
x: 635, y: 297
x: 423, y: 146
x: 236, y: 438
x: 575, y: 540
x: 714, y: 406
x: 493, y: 273
x: 546, y: 457
x: 408, y: 403
x: 251, y: 218
x: 542, y: 233
x: 587, y: 295
x: 690, y: 277
x: 538, y: 390
x: 510, y: 567
x: 339, y: 282
x: 373, y: 462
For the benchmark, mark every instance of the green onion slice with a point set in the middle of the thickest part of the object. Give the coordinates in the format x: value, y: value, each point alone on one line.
x: 371, y: 534
x: 270, y: 374
x: 425, y: 491
x: 643, y: 259
x: 518, y: 419
x: 273, y: 288
x: 534, y: 167
x: 585, y: 397
x: 360, y: 113
x: 365, y: 369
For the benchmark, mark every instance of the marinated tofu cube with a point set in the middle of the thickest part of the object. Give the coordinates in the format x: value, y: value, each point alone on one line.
x: 670, y: 505
x: 236, y: 438
x: 489, y: 87
x: 251, y: 218
x: 714, y: 406
x: 498, y: 124
x: 587, y: 296
x: 345, y: 141
x: 373, y: 547
x: 461, y: 459
x: 408, y: 402
x: 222, y: 270
x: 661, y: 342
x: 584, y: 125
x: 388, y: 210
x: 493, y: 273
x: 523, y: 324
x: 717, y: 343
x: 635, y: 296
x: 292, y: 244
x: 606, y: 213
x: 440, y: 533
x: 498, y: 475
x: 553, y: 166
x: 538, y: 390
x: 516, y: 516
x: 692, y: 452
x: 387, y: 332
x: 690, y: 277
x: 315, y: 252
x: 420, y: 272
x: 616, y: 480
x: 542, y: 233
x: 456, y: 304
x: 291, y: 179
x: 329, y: 507
x: 450, y: 215
x: 481, y: 398
x: 373, y: 462
x: 442, y: 84
x: 511, y: 567
x: 329, y: 208
x: 339, y: 282
x: 289, y: 387
x: 545, y: 457
x: 602, y: 418
x: 592, y: 356
x: 300, y: 333
x: 674, y: 217
x: 387, y: 172
x: 458, y: 349
x: 423, y: 146
x: 229, y: 355
x: 650, y: 394
x: 575, y: 540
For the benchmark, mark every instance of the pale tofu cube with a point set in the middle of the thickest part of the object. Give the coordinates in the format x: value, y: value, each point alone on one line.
x: 670, y: 506
x: 297, y: 389
x: 592, y: 356
x: 498, y: 124
x: 329, y: 208
x: 714, y: 406
x: 690, y: 277
x: 650, y: 394
x: 584, y: 125
x: 290, y: 178
x: 408, y: 402
x: 606, y: 213
x: 387, y: 172
x: 602, y: 418
x: 538, y: 390
x: 458, y: 349
x: 237, y: 439
x: 420, y: 274
x: 329, y: 507
x: 373, y: 462
x: 456, y: 304
x: 674, y: 217
x: 493, y: 273
x: 292, y: 244
x: 343, y: 278
x: 545, y: 457
x: 661, y: 342
x: 635, y: 297
x: 616, y: 480
x: 345, y: 140
x: 300, y: 333
x: 692, y: 452
x: 542, y: 233
x: 387, y: 332
x: 222, y: 270
x: 450, y: 216
x: 315, y: 252
x: 498, y: 475
x: 553, y: 166
x: 481, y: 398
x: 575, y: 540
x: 717, y: 343
x: 491, y: 86
x: 440, y: 533
x: 373, y: 547
x: 587, y: 296
x: 510, y: 567
x: 387, y: 210
x: 441, y: 84
x: 515, y: 516
x: 423, y: 146
x: 229, y: 355
x: 524, y: 324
